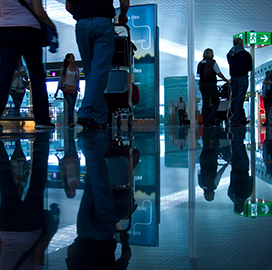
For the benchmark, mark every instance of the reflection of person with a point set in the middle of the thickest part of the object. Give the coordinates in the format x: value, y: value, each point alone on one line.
x: 267, y: 97
x: 17, y: 89
x: 181, y: 108
x: 240, y: 63
x: 209, y: 177
x: 96, y: 221
x: 69, y: 83
x: 21, y: 36
x: 95, y: 38
x: 20, y: 166
x: 69, y: 167
x: 241, y: 184
x: 25, y: 227
x: 207, y: 70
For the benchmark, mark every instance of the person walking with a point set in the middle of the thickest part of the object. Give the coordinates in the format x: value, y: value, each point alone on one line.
x: 207, y: 70
x: 181, y: 108
x: 240, y: 63
x: 21, y: 35
x: 96, y: 42
x: 18, y: 86
x: 69, y: 84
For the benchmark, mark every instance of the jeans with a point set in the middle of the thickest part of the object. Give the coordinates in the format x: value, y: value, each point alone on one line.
x: 209, y: 91
x: 239, y: 86
x: 71, y: 100
x: 25, y: 41
x: 181, y: 114
x: 97, y: 213
x: 96, y: 41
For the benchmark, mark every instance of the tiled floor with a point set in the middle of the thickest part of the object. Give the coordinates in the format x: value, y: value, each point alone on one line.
x: 164, y: 171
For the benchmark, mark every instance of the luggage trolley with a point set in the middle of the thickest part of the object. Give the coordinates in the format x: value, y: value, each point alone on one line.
x: 119, y: 159
x: 224, y: 110
x: 118, y: 94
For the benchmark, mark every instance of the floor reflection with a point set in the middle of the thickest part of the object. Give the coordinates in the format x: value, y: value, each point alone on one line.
x: 151, y: 198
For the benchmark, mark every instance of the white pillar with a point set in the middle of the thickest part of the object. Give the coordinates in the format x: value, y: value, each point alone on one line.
x: 192, y: 138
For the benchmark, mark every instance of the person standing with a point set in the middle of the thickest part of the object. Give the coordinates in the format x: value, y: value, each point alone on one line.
x: 21, y: 36
x: 69, y: 84
x: 96, y: 42
x: 207, y: 70
x: 240, y: 63
x: 181, y: 108
x: 18, y: 85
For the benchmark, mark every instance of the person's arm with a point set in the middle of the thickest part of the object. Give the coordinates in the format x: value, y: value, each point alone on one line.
x: 267, y: 82
x: 41, y: 14
x: 218, y: 72
x: 124, y: 6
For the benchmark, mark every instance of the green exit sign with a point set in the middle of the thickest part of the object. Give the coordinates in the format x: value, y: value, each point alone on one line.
x: 259, y: 38
x: 258, y: 209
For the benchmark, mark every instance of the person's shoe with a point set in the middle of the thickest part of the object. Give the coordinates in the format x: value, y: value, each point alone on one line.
x: 90, y: 123
x: 45, y: 126
x: 1, y: 128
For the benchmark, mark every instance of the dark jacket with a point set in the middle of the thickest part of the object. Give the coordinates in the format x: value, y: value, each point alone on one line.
x: 240, y: 61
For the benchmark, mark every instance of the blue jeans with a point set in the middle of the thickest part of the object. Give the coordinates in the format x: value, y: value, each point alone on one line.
x: 96, y: 42
x: 71, y: 100
x: 239, y: 86
x: 97, y: 212
x: 25, y: 41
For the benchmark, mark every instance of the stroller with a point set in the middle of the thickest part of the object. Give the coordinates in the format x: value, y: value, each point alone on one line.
x: 121, y: 94
x: 225, y: 108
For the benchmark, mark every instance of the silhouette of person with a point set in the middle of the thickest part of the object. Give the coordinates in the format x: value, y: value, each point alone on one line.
x: 95, y: 244
x: 209, y: 177
x: 25, y: 227
x: 69, y: 167
x: 241, y: 184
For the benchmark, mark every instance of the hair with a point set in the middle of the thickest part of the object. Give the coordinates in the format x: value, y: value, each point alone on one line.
x: 208, y: 53
x: 65, y: 63
x: 237, y: 42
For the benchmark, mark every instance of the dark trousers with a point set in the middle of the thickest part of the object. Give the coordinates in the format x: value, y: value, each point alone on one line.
x: 17, y: 100
x: 209, y: 91
x: 23, y: 41
x: 181, y: 114
x: 239, y: 86
x: 27, y: 215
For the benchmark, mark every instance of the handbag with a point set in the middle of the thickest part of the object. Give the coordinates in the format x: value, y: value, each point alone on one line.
x: 49, y: 36
x: 69, y: 89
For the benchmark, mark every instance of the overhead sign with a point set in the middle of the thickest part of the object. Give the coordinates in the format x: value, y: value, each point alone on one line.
x: 259, y: 38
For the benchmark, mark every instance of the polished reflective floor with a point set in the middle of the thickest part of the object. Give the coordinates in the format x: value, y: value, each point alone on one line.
x: 164, y: 197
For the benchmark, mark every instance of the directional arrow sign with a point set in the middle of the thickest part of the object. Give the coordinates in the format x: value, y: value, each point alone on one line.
x: 259, y: 38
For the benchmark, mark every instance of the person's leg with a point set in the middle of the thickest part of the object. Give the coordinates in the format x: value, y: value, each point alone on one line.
x: 215, y: 102
x: 10, y: 54
x: 95, y: 38
x: 17, y: 99
x: 205, y: 106
x: 71, y: 100
x: 32, y: 52
x: 180, y: 117
x: 239, y: 87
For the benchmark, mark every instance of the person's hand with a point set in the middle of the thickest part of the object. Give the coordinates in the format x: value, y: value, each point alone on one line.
x: 123, y: 19
x: 56, y: 94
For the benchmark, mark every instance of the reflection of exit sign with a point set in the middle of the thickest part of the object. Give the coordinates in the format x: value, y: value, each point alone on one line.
x: 258, y: 209
x: 260, y: 38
